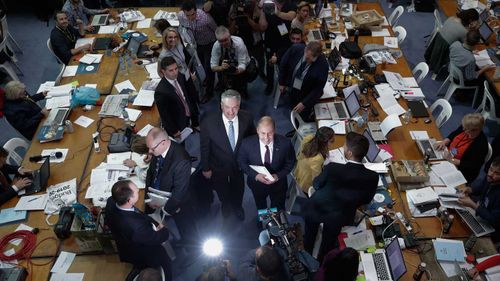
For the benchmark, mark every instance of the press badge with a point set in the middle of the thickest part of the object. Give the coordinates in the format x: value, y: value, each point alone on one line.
x: 283, y: 30
x: 297, y: 83
x: 453, y: 152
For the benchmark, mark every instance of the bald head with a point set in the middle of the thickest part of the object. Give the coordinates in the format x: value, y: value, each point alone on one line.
x: 157, y: 141
x: 265, y: 130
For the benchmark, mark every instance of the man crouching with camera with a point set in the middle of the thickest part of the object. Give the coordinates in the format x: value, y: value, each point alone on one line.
x: 230, y: 59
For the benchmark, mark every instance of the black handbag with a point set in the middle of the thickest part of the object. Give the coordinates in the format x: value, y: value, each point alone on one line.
x: 350, y: 49
x: 252, y: 70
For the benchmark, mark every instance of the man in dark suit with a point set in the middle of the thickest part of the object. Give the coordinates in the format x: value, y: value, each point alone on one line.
x: 221, y: 136
x: 340, y: 190
x: 303, y: 74
x: 170, y: 171
x: 176, y: 99
x: 138, y: 237
x: 276, y: 153
x: 8, y: 187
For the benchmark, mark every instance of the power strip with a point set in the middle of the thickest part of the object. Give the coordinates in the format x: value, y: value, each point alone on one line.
x: 403, y: 221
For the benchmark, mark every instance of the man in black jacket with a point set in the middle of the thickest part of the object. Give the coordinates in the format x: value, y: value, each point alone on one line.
x: 8, y: 187
x: 340, y: 190
x: 176, y: 99
x: 221, y: 137
x: 138, y: 237
x: 170, y: 171
x: 63, y: 38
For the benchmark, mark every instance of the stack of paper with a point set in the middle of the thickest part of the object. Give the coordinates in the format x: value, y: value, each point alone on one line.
x: 380, y: 168
x: 62, y: 90
x: 58, y: 102
x: 132, y: 15
x: 184, y: 134
x: 338, y: 126
x: 152, y: 69
x: 336, y: 156
x: 45, y: 87
x: 91, y: 58
x: 32, y: 202
x: 390, y: 122
x: 413, y: 94
x: 415, y: 212
x: 328, y: 90
x: 483, y: 59
x: 448, y: 201
x: 160, y: 15
x: 108, y: 29
x: 419, y: 135
x: 70, y: 70
x: 395, y: 80
x: 145, y: 130
x: 448, y: 173
x: 387, y: 101
x: 133, y: 114
x: 391, y: 42
x: 150, y: 84
x: 360, y: 241
x: 124, y: 85
x: 422, y: 196
x: 84, y: 41
x: 145, y: 23
x: 144, y: 98
x: 102, y: 179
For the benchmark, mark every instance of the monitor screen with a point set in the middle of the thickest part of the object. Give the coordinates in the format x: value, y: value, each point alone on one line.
x: 485, y: 31
x: 395, y: 259
x: 334, y: 58
x: 45, y: 173
x: 317, y: 8
x: 484, y: 15
x: 352, y: 103
x: 373, y: 149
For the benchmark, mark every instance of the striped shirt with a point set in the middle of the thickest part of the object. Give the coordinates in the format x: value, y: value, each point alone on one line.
x: 464, y: 60
x: 202, y: 28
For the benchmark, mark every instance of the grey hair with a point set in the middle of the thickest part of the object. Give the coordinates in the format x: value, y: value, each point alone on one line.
x: 221, y: 31
x: 230, y: 94
x: 315, y: 48
x: 158, y: 134
x: 12, y: 90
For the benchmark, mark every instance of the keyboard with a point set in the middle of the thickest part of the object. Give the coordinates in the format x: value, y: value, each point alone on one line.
x: 316, y: 34
x: 380, y: 267
x: 102, y: 20
x: 474, y: 223
x: 465, y: 274
x: 113, y: 105
x: 340, y: 110
x: 56, y: 117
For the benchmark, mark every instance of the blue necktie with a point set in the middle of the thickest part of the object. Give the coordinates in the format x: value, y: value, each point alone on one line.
x: 231, y: 135
x: 159, y: 164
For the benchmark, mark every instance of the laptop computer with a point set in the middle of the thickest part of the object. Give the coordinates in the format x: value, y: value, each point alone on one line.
x: 485, y: 30
x: 99, y: 20
x: 345, y: 109
x: 373, y: 149
x: 418, y: 109
x: 376, y: 131
x: 384, y: 265
x: 40, y: 178
x: 57, y: 116
x: 479, y: 226
x: 334, y: 58
x: 315, y: 35
x: 101, y: 43
x: 428, y: 146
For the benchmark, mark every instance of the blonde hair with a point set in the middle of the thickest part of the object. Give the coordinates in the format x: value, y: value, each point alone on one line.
x: 473, y: 121
x: 164, y: 36
x: 13, y: 90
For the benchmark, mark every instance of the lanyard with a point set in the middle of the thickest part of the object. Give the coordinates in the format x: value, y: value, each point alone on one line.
x: 302, y: 69
x: 70, y: 36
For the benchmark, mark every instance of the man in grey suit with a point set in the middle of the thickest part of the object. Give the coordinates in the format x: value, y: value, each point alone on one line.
x: 221, y: 136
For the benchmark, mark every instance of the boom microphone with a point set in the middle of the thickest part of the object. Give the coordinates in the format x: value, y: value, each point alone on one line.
x: 37, y: 158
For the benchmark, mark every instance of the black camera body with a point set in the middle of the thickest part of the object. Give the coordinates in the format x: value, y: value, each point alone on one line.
x: 62, y: 228
x: 233, y: 66
x: 269, y: 8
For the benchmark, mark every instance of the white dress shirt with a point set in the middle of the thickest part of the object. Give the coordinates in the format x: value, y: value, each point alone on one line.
x: 263, y: 151
x: 235, y: 126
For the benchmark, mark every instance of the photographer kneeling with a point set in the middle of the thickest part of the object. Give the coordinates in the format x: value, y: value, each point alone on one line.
x: 230, y: 58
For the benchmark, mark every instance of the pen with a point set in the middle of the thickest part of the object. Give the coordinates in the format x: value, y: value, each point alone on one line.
x: 33, y: 199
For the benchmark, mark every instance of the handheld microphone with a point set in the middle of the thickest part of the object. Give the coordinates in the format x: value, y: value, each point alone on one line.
x: 36, y: 158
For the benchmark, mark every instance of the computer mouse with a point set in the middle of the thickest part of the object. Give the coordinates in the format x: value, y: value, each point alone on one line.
x: 427, y: 121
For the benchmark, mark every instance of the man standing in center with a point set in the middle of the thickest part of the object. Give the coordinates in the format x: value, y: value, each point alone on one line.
x: 221, y: 137
x: 170, y: 171
x: 176, y: 99
x: 276, y: 153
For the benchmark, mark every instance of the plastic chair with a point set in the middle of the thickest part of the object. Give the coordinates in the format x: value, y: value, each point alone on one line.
x: 6, y: 33
x: 423, y: 68
x: 4, y: 47
x: 400, y: 33
x: 438, y: 24
x: 394, y: 17
x: 487, y: 108
x: 49, y: 46
x: 489, y: 154
x: 317, y: 242
x: 14, y: 146
x: 456, y: 74
x: 295, y: 191
x: 59, y: 76
x: 276, y: 90
x: 301, y: 129
x: 7, y: 67
x: 445, y: 114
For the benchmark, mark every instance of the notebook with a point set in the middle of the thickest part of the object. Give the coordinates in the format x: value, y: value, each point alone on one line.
x: 418, y: 109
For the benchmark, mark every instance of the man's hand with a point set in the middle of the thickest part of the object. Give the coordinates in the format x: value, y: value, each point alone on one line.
x: 299, y: 107
x: 207, y: 174
x: 129, y: 163
x: 159, y: 226
x: 21, y: 183
x: 45, y: 112
x: 177, y: 135
x: 105, y: 11
x: 262, y: 178
x: 464, y: 189
x: 466, y: 201
x: 441, y: 145
x: 208, y: 6
x: 273, y: 59
x: 89, y: 28
x: 455, y: 162
x: 224, y: 65
x: 275, y: 176
x: 79, y: 21
x: 282, y: 89
x: 147, y: 158
x: 24, y: 171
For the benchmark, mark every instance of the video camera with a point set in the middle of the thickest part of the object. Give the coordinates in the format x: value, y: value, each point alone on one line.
x: 286, y: 237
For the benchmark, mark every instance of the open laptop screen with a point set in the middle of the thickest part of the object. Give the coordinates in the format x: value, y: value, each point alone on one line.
x: 373, y: 149
x: 133, y: 46
x: 45, y: 173
x: 334, y: 58
x: 395, y: 259
x: 485, y: 31
x: 352, y: 103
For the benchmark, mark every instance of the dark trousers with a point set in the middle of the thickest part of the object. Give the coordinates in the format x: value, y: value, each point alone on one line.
x: 230, y: 188
x: 307, y: 114
x: 269, y: 68
x: 332, y: 224
x: 186, y: 222
x: 276, y: 192
x: 236, y: 82
x: 204, y: 53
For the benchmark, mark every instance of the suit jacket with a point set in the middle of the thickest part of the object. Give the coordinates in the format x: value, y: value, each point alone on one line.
x: 171, y: 108
x: 342, y: 188
x: 7, y: 192
x: 473, y: 157
x: 24, y: 115
x: 174, y: 177
x: 135, y: 238
x: 315, y: 79
x: 62, y: 45
x: 216, y: 152
x: 283, y: 159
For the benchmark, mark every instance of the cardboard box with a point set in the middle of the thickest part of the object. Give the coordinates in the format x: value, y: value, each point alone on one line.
x: 409, y: 171
x: 366, y: 18
x: 93, y: 240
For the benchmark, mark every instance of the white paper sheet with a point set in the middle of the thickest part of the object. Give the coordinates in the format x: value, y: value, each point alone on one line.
x: 124, y: 85
x: 63, y: 262
x: 84, y: 121
x: 144, y: 98
x: 70, y: 70
x: 67, y: 277
x: 382, y: 33
x: 419, y: 135
x: 145, y: 23
x: 46, y: 86
x: 389, y: 123
x: 133, y: 114
x: 52, y: 152
x: 83, y: 41
x: 145, y: 130
x: 391, y: 42
x: 338, y: 126
x: 262, y: 170
x: 152, y: 69
x: 107, y: 29
x: 32, y: 202
x: 58, y: 102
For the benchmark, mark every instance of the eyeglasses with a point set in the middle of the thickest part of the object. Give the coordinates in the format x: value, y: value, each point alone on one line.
x: 154, y: 148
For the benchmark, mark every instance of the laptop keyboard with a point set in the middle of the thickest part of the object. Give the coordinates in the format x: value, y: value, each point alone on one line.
x: 316, y: 35
x: 471, y: 221
x: 379, y: 261
x: 102, y: 20
x: 427, y: 146
x: 60, y: 117
x: 340, y: 110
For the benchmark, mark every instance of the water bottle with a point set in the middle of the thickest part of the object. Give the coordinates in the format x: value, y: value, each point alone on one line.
x: 407, y: 117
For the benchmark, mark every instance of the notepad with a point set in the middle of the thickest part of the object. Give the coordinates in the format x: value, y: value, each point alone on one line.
x: 11, y: 215
x: 32, y: 202
x: 70, y: 70
x: 449, y: 250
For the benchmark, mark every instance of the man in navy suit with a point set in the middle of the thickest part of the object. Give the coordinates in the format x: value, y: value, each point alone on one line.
x: 303, y: 74
x: 221, y: 136
x: 170, y: 171
x: 138, y: 237
x: 340, y: 190
x: 276, y: 153
x: 176, y: 99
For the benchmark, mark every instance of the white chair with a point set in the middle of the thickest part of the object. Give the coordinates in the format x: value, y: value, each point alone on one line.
x: 438, y: 24
x: 394, y: 17
x: 9, y: 52
x: 16, y: 147
x: 487, y: 108
x: 489, y: 154
x: 400, y: 33
x: 7, y: 67
x: 445, y: 114
x: 301, y: 129
x: 456, y: 74
x: 49, y: 46
x: 423, y: 68
x: 6, y: 33
x: 59, y: 76
x: 294, y: 192
x: 276, y: 90
x: 317, y: 242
